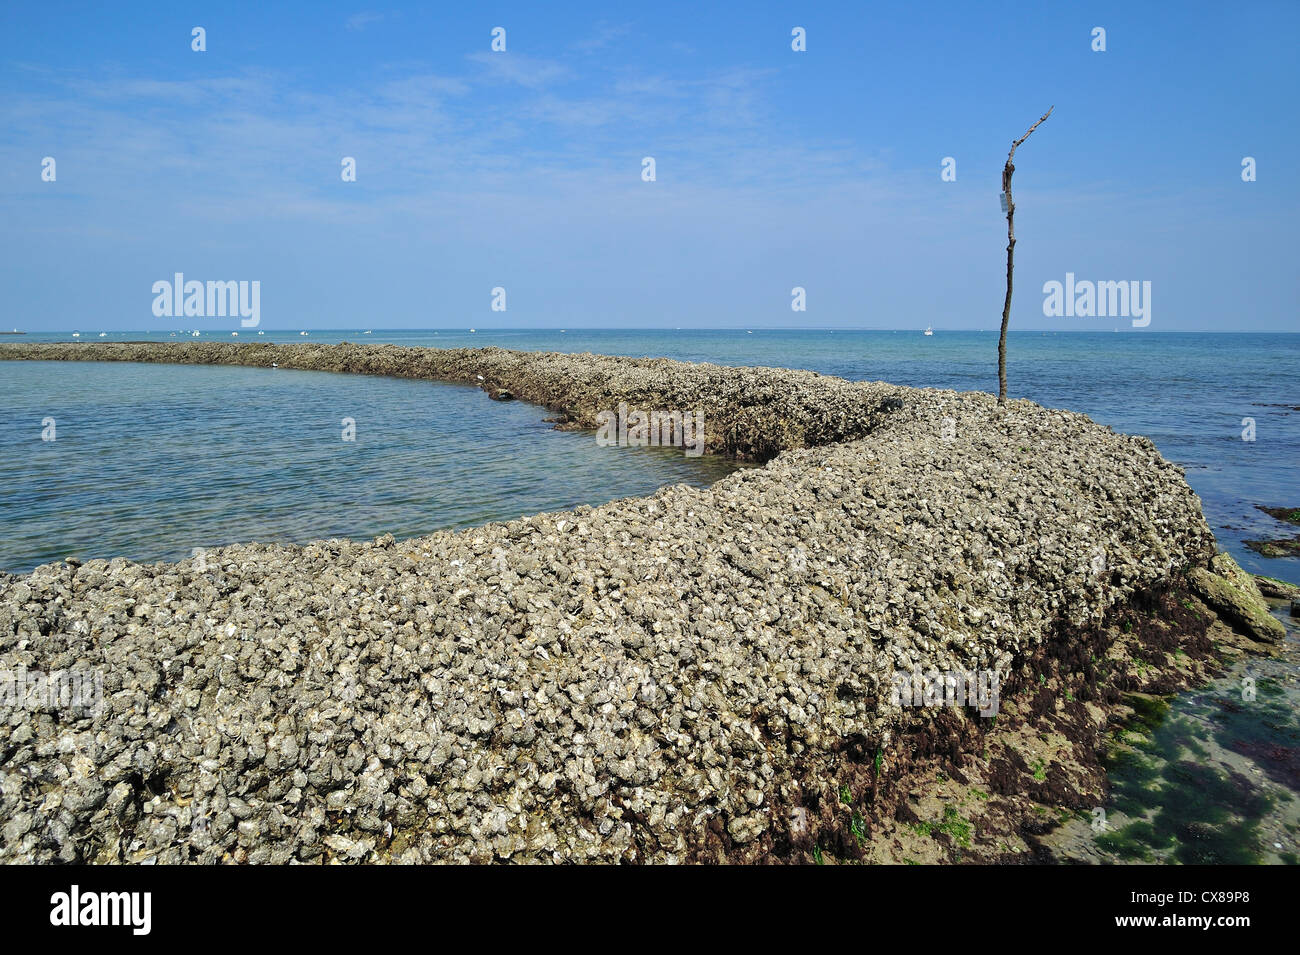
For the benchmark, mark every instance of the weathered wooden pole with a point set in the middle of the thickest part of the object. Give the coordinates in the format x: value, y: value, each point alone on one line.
x: 1009, y: 207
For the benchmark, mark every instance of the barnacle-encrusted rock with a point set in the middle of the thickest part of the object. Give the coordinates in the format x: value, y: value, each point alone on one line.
x: 610, y: 683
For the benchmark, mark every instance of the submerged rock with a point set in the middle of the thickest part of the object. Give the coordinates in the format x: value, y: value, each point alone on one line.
x: 1288, y: 515
x: 1279, y: 547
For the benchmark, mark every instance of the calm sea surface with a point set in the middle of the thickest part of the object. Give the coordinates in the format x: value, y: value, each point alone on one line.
x: 152, y: 460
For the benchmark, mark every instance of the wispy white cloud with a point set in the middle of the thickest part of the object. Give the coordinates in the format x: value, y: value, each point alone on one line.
x: 359, y: 21
x: 601, y: 37
x: 521, y: 69
x: 257, y: 143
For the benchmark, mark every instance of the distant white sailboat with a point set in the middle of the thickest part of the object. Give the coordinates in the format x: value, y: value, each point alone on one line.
x: 929, y: 330
x: 76, y: 334
x: 103, y: 334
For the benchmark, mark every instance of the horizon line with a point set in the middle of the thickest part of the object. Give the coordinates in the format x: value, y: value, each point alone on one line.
x: 460, y: 329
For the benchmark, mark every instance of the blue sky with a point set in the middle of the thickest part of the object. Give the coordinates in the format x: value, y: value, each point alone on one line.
x: 522, y: 169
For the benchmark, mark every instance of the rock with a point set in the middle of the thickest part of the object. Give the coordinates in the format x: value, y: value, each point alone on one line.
x: 1277, y: 547
x: 1233, y: 593
x: 1288, y: 515
x: 651, y: 680
x: 1277, y: 589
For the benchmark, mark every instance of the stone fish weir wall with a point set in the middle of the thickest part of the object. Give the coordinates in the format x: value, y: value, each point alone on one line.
x: 669, y: 678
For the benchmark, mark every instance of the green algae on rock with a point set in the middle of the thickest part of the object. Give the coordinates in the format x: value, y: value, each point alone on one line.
x: 1233, y: 593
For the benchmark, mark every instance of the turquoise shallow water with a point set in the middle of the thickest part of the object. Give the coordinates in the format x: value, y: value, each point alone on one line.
x: 155, y: 459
